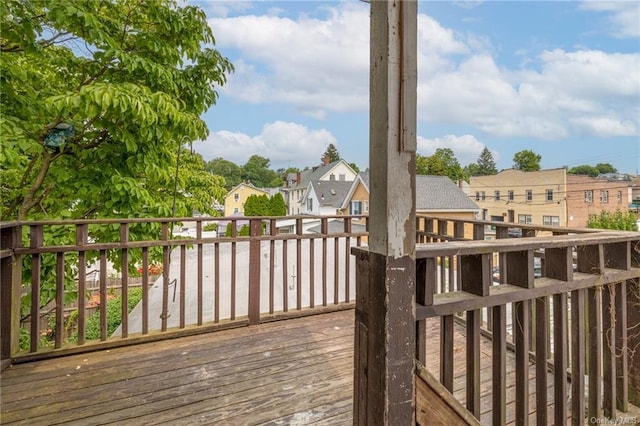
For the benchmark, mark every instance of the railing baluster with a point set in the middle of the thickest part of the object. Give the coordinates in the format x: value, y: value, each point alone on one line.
x: 145, y: 290
x: 103, y: 295
x: 165, y: 276
x: 272, y: 256
x: 474, y: 321
x: 609, y: 351
x: 36, y: 241
x: 323, y: 231
x: 621, y: 343
x: 499, y: 370
x: 285, y: 277
x: 521, y: 337
x: 254, y: 271
x: 59, y: 329
x: 312, y: 267
x: 542, y: 324
x: 200, y: 271
x: 446, y: 351
x: 183, y: 283
x: 336, y: 275
x: 560, y: 358
x: 124, y: 238
x: 234, y: 254
x: 216, y: 283
x: 81, y: 240
x: 577, y: 357
x: 298, y: 264
x: 347, y: 258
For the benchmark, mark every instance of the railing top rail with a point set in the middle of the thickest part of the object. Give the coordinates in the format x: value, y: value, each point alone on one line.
x: 522, y: 244
x: 511, y: 224
x: 170, y: 220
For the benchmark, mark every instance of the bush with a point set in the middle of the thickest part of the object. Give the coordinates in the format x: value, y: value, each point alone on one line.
x: 114, y: 315
x: 211, y: 227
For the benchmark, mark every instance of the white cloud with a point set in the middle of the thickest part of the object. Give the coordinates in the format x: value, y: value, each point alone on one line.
x: 623, y: 16
x: 466, y: 148
x: 285, y: 144
x: 321, y: 65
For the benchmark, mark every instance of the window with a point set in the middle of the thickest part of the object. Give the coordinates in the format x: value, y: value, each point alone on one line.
x: 497, y: 195
x: 551, y: 220
x: 332, y: 177
x: 549, y: 194
x: 355, y: 207
x: 604, y: 196
x: 366, y: 206
x: 235, y: 210
x: 342, y: 177
x: 310, y: 204
x: 524, y: 218
x: 483, y: 196
x: 477, y: 196
x: 588, y: 196
x: 529, y: 195
x: 510, y: 195
x: 619, y: 196
x: 236, y: 197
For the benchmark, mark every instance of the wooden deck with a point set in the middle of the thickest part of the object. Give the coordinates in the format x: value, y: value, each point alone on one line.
x: 296, y: 371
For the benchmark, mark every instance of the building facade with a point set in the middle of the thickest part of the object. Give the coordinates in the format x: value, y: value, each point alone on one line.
x: 237, y: 196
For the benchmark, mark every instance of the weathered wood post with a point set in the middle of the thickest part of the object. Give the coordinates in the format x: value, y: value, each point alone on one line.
x: 385, y: 280
x: 10, y: 286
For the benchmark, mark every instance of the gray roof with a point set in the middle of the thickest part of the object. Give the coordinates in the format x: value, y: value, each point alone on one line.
x: 314, y: 174
x: 440, y: 193
x: 331, y: 192
x: 365, y: 178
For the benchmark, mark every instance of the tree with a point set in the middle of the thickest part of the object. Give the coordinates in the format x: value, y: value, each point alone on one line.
x: 355, y: 167
x: 231, y: 172
x: 616, y: 220
x: 583, y: 170
x: 604, y: 168
x: 527, y: 161
x: 600, y: 168
x: 277, y: 206
x: 256, y: 205
x: 97, y: 98
x: 257, y: 172
x: 442, y: 163
x: 486, y: 163
x: 331, y: 154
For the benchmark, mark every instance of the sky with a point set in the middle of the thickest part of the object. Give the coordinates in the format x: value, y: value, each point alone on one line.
x: 560, y: 78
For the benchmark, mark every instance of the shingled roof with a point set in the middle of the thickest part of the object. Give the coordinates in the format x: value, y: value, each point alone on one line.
x: 440, y: 193
x: 330, y: 193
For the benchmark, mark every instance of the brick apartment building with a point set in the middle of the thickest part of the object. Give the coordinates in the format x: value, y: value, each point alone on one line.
x: 547, y: 197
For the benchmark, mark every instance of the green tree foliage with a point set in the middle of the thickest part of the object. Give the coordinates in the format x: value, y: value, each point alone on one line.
x: 600, y: 168
x: 131, y: 78
x: 355, y: 167
x: 331, y: 153
x: 257, y: 172
x: 98, y: 99
x: 231, y: 172
x: 527, y: 161
x: 617, y: 220
x: 277, y: 206
x: 442, y: 163
x: 486, y: 164
x: 256, y: 205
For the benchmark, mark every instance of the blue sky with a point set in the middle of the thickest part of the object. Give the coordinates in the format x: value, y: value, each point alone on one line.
x: 561, y: 78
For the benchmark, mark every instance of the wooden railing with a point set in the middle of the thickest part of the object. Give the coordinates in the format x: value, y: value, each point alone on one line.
x: 569, y: 315
x: 265, y: 269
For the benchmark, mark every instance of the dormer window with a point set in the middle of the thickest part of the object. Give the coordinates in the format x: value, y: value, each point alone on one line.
x: 332, y: 177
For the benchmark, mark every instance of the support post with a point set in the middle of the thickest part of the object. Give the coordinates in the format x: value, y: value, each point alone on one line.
x: 10, y: 287
x: 385, y: 318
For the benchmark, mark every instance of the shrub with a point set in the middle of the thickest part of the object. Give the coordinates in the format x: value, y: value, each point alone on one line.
x: 114, y: 315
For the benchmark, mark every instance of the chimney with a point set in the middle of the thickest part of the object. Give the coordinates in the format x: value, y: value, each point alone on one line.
x: 325, y: 160
x: 298, y: 178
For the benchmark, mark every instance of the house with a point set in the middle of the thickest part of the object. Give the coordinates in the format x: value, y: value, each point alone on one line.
x: 237, y: 196
x: 547, y: 197
x: 356, y: 200
x: 298, y: 184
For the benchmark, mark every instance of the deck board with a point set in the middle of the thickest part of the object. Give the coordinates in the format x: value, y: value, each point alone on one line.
x: 296, y: 371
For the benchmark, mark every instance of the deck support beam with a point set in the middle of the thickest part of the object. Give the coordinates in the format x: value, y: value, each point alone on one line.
x: 385, y: 281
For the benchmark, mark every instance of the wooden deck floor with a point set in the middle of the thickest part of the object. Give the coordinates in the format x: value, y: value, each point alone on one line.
x: 289, y: 372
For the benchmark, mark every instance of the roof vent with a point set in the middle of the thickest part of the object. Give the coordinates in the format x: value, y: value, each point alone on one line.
x: 333, y: 192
